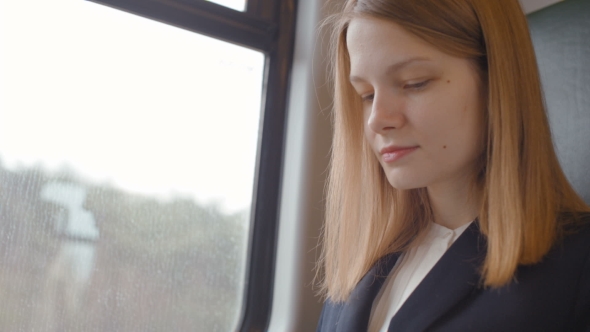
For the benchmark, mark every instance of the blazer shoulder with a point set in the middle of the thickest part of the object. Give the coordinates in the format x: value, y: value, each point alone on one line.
x: 330, y: 315
x: 582, y: 306
x: 581, y: 236
x: 576, y: 228
x: 572, y: 248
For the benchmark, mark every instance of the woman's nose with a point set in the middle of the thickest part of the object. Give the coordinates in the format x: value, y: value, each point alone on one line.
x: 387, y: 113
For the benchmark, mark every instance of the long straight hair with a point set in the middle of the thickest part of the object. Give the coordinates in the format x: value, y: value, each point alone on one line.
x: 524, y: 189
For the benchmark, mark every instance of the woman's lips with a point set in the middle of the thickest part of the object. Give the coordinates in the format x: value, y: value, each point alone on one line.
x: 393, y: 154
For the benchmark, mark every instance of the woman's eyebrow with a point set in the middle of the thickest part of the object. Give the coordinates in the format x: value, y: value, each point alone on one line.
x: 393, y: 68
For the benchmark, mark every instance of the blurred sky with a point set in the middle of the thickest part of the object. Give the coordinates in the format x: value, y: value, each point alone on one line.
x: 124, y: 100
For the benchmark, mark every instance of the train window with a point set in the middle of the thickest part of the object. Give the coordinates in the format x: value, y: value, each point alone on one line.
x: 139, y: 166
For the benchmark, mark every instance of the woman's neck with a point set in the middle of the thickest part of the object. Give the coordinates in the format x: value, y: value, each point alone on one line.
x: 454, y: 203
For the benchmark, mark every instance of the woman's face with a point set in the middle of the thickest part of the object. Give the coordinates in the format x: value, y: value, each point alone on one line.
x: 423, y: 109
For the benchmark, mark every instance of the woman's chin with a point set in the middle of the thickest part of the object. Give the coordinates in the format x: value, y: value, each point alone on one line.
x: 404, y: 183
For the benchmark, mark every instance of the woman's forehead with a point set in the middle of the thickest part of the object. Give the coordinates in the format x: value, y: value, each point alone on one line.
x: 376, y: 42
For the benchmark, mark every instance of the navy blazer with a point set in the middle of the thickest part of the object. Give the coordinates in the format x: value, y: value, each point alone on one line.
x: 553, y: 295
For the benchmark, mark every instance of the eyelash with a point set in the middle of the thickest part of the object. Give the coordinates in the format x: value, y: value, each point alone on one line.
x: 416, y: 87
x: 367, y: 97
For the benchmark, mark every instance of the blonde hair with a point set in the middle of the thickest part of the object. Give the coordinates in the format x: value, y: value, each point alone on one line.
x: 524, y: 189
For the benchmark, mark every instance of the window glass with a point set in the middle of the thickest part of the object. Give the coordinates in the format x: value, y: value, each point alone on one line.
x: 233, y: 4
x: 127, y: 159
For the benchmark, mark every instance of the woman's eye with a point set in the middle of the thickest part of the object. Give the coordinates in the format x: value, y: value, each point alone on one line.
x: 417, y: 86
x: 368, y: 97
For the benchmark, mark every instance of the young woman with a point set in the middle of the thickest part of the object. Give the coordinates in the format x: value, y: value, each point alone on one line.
x: 447, y: 209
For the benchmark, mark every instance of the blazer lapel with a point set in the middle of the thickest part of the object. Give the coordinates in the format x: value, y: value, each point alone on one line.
x: 356, y: 311
x: 452, y: 279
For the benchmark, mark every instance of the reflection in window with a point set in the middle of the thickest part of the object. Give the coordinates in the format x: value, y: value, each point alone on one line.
x: 127, y: 155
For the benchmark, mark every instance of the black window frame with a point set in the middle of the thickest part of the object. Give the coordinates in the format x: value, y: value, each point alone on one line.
x: 267, y: 26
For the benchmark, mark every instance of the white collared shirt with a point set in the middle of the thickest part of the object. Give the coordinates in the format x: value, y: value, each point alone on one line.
x: 409, y: 270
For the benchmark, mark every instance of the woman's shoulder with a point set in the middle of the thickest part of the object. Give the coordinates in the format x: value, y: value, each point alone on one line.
x: 575, y: 226
x: 571, y: 252
x: 574, y: 242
